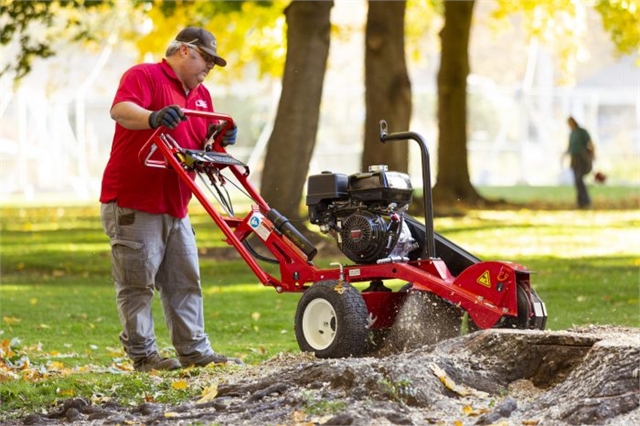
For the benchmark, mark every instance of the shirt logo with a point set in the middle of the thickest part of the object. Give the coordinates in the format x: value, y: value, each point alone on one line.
x: 200, y: 103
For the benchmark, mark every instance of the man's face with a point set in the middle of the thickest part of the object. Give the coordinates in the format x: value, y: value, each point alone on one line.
x: 196, y: 66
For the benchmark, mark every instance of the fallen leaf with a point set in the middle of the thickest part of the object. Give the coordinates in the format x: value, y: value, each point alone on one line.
x: 470, y: 411
x: 65, y: 392
x: 180, y: 385
x: 298, y: 416
x: 208, y: 394
x: 340, y: 288
x: 55, y: 366
x: 10, y: 320
x: 453, y: 386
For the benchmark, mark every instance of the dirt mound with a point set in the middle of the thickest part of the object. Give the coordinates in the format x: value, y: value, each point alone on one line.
x: 575, y: 377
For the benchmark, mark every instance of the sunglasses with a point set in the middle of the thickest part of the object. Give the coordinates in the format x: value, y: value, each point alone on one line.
x: 204, y: 55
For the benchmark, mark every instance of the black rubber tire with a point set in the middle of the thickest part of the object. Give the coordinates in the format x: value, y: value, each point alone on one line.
x: 523, y: 320
x: 332, y: 321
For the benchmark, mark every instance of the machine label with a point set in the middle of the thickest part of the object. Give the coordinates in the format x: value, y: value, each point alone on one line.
x: 259, y: 227
x: 484, y: 279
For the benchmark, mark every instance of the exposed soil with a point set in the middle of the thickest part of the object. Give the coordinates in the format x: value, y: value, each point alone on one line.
x: 502, y: 377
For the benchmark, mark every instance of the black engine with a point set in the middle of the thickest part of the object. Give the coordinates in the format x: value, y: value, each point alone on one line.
x: 364, y: 212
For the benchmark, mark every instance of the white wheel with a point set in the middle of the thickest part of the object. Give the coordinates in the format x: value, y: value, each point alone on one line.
x: 332, y: 320
x: 319, y: 324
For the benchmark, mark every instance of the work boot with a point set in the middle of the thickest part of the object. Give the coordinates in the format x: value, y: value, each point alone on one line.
x: 212, y: 359
x: 156, y: 362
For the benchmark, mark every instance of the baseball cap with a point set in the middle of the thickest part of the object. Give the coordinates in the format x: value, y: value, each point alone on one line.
x: 204, y: 40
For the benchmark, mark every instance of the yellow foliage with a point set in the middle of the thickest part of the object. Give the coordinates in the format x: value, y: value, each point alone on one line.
x: 253, y: 35
x: 65, y: 392
x: 448, y: 382
x: 10, y: 320
x: 470, y: 411
x: 621, y: 18
x: 209, y: 393
x: 561, y: 25
x: 558, y: 24
x: 179, y: 385
x: 55, y: 366
x: 298, y: 417
x: 419, y: 18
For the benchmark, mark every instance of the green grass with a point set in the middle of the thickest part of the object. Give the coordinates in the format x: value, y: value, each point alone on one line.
x: 59, y: 322
x: 563, y: 197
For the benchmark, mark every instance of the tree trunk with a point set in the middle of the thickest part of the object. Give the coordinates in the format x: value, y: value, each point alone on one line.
x: 453, y: 182
x: 387, y: 85
x: 293, y: 138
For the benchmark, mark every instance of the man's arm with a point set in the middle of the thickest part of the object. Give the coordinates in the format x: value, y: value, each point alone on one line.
x: 131, y: 116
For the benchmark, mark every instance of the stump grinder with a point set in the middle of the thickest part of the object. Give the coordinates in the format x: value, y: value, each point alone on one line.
x: 350, y: 307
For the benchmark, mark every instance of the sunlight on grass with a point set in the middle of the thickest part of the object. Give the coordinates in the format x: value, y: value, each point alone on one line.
x: 565, y: 234
x: 237, y: 288
x: 65, y: 247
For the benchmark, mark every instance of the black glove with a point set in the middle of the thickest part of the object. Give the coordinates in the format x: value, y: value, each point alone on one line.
x: 168, y: 117
x: 212, y: 131
x: 230, y: 135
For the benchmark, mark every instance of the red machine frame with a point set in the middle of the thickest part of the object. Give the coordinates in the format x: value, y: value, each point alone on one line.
x: 486, y: 290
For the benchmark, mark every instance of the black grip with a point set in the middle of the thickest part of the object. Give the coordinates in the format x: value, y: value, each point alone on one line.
x: 283, y: 225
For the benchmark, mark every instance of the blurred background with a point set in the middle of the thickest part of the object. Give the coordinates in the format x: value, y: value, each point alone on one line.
x: 55, y: 129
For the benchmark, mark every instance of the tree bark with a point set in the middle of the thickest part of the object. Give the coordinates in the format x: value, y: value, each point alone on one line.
x: 387, y: 85
x: 453, y: 182
x: 292, y: 141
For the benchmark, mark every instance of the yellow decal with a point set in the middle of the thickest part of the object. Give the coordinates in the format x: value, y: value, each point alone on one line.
x: 484, y: 279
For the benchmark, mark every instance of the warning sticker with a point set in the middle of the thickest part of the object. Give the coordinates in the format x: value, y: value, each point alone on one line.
x: 259, y: 227
x: 484, y: 279
x: 354, y: 272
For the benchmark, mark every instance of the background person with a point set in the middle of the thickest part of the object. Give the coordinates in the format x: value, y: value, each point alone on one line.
x: 581, y: 151
x: 144, y: 209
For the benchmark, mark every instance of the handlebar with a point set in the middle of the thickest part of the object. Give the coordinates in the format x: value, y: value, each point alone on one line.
x: 147, y: 149
x: 429, y: 248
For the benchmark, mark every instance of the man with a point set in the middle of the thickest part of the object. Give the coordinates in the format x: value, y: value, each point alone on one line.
x: 144, y: 209
x: 581, y: 152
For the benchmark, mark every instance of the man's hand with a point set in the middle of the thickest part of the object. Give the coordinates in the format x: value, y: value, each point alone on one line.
x: 168, y: 117
x: 230, y: 135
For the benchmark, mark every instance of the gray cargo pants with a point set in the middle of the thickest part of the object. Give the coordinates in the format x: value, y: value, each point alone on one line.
x: 156, y: 251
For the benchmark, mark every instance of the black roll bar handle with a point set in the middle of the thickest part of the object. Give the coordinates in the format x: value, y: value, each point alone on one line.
x: 429, y: 246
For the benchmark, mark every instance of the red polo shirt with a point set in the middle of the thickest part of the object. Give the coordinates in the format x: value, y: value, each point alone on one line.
x: 126, y: 180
